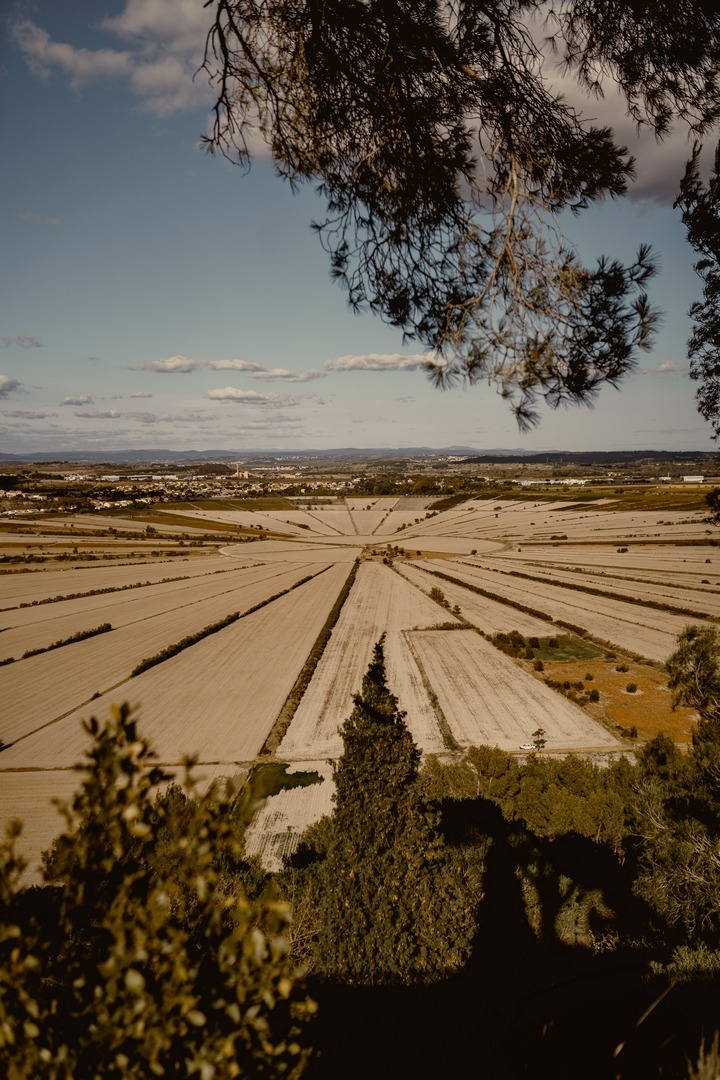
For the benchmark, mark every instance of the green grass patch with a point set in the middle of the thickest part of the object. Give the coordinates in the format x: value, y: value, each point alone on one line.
x: 272, y: 777
x: 567, y: 648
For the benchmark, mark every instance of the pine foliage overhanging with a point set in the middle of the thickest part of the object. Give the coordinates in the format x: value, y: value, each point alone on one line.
x: 436, y: 134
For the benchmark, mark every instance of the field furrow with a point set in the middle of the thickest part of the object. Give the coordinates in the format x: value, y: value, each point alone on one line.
x: 379, y: 602
x: 38, y: 627
x: 641, y: 630
x: 690, y: 597
x: 24, y: 588
x: 366, y: 521
x: 487, y: 699
x: 217, y: 699
x: 42, y: 688
x: 490, y: 616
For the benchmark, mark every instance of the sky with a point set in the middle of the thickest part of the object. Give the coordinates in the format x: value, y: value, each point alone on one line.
x: 155, y: 297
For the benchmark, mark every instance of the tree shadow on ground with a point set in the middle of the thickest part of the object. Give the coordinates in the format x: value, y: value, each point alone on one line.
x: 526, y: 1005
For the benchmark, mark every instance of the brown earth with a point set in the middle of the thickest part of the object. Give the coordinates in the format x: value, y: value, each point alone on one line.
x: 649, y: 709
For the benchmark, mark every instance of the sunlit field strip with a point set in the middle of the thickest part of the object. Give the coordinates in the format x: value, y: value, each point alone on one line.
x: 43, y: 688
x: 217, y: 699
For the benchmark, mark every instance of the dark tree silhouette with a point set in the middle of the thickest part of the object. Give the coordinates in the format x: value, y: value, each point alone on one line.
x: 444, y: 153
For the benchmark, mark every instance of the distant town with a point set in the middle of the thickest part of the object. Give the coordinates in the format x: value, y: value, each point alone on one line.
x: 31, y: 488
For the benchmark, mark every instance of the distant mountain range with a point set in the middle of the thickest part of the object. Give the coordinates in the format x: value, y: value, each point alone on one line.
x: 471, y: 455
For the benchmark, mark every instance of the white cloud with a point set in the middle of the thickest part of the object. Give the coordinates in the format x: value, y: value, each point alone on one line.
x: 166, y: 39
x: 166, y: 86
x: 379, y: 362
x: 173, y: 365
x: 81, y: 399
x: 25, y: 341
x: 248, y: 397
x: 8, y: 385
x: 139, y: 394
x: 170, y: 365
x: 183, y: 23
x: 44, y: 55
x: 234, y: 365
x: 286, y: 375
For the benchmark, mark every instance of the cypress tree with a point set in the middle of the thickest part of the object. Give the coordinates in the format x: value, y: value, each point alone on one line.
x: 392, y: 907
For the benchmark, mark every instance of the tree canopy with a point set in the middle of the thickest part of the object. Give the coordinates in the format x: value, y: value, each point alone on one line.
x: 700, y: 208
x: 444, y: 151
x: 392, y: 907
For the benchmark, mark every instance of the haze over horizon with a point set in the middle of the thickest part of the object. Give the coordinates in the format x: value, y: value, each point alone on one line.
x: 158, y: 298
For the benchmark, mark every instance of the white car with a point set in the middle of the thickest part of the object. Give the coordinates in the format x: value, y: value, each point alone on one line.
x: 526, y: 746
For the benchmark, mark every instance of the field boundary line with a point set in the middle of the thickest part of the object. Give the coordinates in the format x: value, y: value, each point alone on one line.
x: 297, y: 691
x: 215, y: 628
x: 591, y: 590
x: 448, y: 738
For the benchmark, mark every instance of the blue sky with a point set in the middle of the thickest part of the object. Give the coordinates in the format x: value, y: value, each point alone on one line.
x: 154, y: 297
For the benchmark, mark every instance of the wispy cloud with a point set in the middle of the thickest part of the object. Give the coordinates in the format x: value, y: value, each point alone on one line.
x: 8, y: 385
x: 284, y: 424
x: 184, y: 365
x: 39, y: 219
x: 139, y: 394
x: 249, y: 397
x: 234, y: 365
x: 672, y: 366
x: 170, y: 365
x: 144, y: 417
x: 379, y: 362
x: 99, y: 414
x: 80, y: 399
x: 25, y: 341
x: 666, y: 367
x: 28, y: 414
x: 285, y: 375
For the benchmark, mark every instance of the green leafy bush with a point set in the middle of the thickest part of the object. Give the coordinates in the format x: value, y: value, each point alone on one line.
x: 148, y: 956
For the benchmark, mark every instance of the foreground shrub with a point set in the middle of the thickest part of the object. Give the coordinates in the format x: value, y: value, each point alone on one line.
x: 146, y: 957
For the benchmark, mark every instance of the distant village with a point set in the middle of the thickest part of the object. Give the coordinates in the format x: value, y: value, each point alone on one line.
x: 31, y: 489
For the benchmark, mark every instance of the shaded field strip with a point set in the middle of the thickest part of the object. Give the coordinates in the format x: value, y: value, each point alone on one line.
x: 446, y: 734
x: 113, y: 588
x: 292, y: 701
x: 82, y: 635
x: 591, y: 590
x: 214, y: 628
